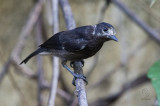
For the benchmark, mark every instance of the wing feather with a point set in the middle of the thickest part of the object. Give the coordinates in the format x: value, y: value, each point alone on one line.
x: 71, y: 40
x: 75, y: 45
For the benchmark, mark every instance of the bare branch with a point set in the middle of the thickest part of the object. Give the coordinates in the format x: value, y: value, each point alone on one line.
x: 5, y: 69
x: 80, y: 86
x: 40, y: 74
x: 55, y: 73
x: 67, y: 12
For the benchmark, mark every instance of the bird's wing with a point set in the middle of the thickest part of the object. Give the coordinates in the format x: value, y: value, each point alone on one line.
x: 76, y: 39
x: 67, y: 40
x: 75, y: 45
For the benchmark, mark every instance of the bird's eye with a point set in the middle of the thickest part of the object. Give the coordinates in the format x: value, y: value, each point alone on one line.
x: 105, y: 29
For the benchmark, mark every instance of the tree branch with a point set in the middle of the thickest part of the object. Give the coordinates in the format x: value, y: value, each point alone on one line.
x: 80, y: 85
x: 40, y: 75
x: 55, y: 73
x: 5, y: 69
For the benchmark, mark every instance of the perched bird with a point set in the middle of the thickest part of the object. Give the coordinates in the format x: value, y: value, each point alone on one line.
x: 76, y: 44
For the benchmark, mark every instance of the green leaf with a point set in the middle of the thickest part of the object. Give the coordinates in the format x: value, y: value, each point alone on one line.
x: 154, y: 75
x: 154, y: 71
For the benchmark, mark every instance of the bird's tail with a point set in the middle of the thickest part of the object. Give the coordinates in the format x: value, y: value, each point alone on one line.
x: 33, y: 54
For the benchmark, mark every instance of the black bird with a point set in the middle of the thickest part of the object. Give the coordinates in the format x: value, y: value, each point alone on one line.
x: 76, y: 44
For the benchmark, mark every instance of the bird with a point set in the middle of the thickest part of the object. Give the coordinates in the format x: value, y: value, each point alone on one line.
x: 76, y: 44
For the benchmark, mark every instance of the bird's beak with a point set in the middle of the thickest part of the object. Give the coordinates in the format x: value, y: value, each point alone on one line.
x: 113, y: 37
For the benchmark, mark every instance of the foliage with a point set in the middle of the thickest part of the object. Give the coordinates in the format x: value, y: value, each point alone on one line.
x: 154, y: 75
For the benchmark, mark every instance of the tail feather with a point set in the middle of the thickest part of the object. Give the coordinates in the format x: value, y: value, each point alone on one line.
x: 32, y: 54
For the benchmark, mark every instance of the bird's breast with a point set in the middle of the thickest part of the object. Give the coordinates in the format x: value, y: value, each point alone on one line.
x: 92, y: 49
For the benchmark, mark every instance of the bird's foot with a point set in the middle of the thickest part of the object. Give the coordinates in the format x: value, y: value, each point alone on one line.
x: 80, y: 76
x: 72, y: 62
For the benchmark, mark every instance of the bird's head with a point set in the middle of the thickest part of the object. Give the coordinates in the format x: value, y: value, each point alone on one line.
x: 104, y: 31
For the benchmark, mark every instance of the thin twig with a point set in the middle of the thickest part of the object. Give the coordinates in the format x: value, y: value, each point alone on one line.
x: 55, y: 73
x: 67, y: 12
x: 40, y: 74
x: 5, y: 69
x: 80, y: 85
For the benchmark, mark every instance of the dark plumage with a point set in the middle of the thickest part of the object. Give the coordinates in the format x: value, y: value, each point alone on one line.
x: 77, y: 44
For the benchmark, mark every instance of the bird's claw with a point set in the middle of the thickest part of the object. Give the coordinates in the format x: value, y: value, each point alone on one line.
x: 72, y: 62
x: 80, y: 76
